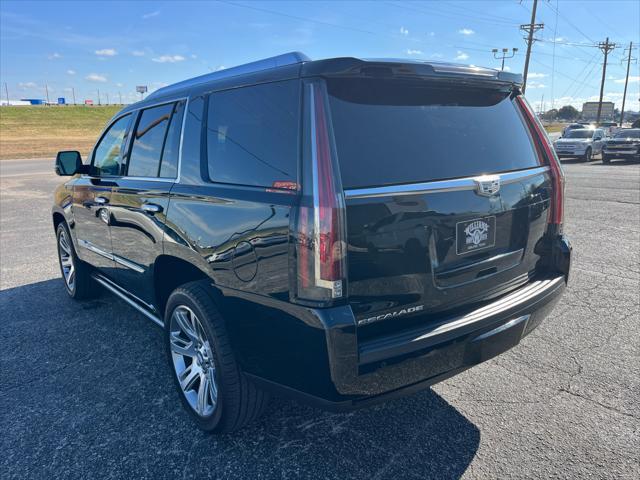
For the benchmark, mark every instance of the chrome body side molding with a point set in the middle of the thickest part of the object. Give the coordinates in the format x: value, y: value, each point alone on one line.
x: 118, y: 291
x: 122, y: 261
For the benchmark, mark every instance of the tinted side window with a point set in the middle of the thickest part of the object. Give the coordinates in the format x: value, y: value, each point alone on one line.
x: 107, y: 156
x: 252, y: 134
x: 169, y: 163
x: 148, y: 141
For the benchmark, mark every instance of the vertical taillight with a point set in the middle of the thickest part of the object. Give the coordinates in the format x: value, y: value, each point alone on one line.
x: 548, y: 155
x: 320, y: 230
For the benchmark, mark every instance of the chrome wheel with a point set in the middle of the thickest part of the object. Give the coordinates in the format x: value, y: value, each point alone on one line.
x: 193, y: 361
x: 67, y: 263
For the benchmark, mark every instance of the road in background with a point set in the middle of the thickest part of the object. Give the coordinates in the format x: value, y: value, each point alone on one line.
x: 87, y: 392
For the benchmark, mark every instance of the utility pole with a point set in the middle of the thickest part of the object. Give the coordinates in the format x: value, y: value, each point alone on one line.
x: 73, y: 92
x: 98, y: 96
x: 504, y: 55
x: 6, y: 91
x: 120, y: 95
x: 107, y: 98
x: 530, y: 28
x: 46, y: 88
x: 542, y: 105
x: 624, y: 95
x: 606, y: 47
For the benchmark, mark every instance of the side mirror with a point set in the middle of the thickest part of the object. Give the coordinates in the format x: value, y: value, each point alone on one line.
x: 69, y: 163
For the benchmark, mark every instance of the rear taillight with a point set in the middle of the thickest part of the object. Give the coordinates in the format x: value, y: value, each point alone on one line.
x: 320, y: 231
x: 548, y: 155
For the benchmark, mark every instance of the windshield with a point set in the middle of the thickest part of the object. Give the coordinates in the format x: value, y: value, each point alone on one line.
x: 579, y: 134
x: 628, y: 134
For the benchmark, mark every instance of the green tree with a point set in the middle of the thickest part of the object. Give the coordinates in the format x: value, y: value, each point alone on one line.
x: 568, y: 113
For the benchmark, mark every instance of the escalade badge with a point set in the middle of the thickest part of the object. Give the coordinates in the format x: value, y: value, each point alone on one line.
x: 487, y: 185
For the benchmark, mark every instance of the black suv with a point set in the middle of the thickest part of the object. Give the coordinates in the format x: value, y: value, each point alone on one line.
x: 343, y: 231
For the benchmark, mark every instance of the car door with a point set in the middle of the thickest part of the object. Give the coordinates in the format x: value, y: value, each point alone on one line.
x: 92, y: 196
x: 140, y: 198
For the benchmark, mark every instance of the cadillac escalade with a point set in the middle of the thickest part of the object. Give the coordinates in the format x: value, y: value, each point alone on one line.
x: 342, y: 231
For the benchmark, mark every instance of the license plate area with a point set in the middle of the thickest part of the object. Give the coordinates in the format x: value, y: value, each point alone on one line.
x: 474, y: 235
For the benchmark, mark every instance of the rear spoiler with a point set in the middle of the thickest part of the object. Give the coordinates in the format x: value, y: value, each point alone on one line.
x: 350, y: 67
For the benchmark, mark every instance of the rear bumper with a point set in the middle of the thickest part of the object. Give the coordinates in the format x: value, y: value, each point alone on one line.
x: 364, y: 373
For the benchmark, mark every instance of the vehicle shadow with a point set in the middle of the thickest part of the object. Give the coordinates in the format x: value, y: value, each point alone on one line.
x: 87, y: 392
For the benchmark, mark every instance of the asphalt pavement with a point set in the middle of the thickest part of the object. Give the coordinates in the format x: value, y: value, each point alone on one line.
x: 86, y: 392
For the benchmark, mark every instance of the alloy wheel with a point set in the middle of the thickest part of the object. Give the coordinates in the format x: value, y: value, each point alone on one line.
x: 67, y: 262
x: 193, y: 361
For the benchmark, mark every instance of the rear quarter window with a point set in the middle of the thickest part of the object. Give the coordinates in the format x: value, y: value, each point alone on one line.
x: 252, y: 135
x: 392, y: 132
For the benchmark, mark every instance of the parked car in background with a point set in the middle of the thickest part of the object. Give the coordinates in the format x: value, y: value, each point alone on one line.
x: 624, y: 144
x: 583, y: 143
x: 572, y: 126
x: 317, y: 229
x: 609, y: 128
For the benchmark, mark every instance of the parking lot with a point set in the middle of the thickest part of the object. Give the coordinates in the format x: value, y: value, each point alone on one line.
x: 86, y: 391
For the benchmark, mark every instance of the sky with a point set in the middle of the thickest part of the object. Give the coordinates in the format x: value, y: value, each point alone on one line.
x: 114, y: 46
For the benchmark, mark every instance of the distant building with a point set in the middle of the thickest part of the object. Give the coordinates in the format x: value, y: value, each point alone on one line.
x: 590, y: 111
x: 14, y: 103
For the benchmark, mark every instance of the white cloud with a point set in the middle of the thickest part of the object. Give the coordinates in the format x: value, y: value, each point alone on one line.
x: 432, y: 34
x: 25, y: 85
x: 54, y: 55
x: 466, y: 31
x: 106, y: 52
x: 168, y: 59
x: 436, y: 55
x: 119, y: 85
x: 193, y: 55
x: 632, y: 79
x: 507, y: 68
x: 151, y: 14
x: 138, y: 53
x: 71, y: 72
x: 461, y: 56
x: 413, y: 52
x: 535, y: 85
x: 95, y: 77
x: 536, y: 75
x: 404, y: 31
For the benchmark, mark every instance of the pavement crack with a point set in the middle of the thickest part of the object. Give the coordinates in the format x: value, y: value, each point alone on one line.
x: 595, y: 402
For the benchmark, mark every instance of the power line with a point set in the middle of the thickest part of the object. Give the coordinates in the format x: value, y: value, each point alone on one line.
x: 569, y: 22
x: 454, y: 15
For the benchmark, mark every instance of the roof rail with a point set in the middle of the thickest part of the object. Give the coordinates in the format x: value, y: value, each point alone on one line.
x: 290, y: 58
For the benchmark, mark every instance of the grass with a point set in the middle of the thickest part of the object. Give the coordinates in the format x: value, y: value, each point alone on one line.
x: 41, y: 131
x: 555, y: 127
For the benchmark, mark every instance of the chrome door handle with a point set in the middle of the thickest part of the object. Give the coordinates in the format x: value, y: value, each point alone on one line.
x: 101, y: 200
x: 151, y: 208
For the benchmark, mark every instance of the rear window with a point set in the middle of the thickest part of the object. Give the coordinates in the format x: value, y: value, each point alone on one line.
x: 390, y: 132
x: 252, y: 135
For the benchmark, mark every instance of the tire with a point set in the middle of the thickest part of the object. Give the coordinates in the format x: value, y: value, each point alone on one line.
x: 206, y: 349
x: 587, y: 155
x: 606, y: 158
x: 76, y: 274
